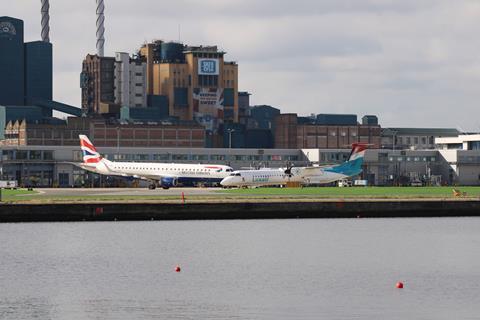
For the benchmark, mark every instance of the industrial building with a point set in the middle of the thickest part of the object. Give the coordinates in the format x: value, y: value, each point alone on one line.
x: 199, y: 83
x: 414, y: 138
x: 27, y: 80
x: 462, y: 154
x: 104, y: 133
x: 26, y: 68
x: 324, y: 131
x: 97, y: 82
x: 130, y: 81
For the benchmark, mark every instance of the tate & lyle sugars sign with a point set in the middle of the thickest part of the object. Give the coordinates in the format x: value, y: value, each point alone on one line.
x: 208, y: 66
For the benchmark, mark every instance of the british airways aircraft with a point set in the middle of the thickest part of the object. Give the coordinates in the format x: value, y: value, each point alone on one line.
x: 304, y: 175
x: 165, y: 175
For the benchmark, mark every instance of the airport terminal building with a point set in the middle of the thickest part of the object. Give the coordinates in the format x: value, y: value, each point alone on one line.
x: 52, y: 166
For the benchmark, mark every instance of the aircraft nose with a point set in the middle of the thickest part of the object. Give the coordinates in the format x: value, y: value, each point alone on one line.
x: 225, y: 181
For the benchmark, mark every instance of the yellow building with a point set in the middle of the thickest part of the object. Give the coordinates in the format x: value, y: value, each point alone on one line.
x: 199, y: 83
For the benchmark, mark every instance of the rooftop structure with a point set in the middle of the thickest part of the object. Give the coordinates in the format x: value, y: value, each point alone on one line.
x: 414, y: 138
x: 460, y: 142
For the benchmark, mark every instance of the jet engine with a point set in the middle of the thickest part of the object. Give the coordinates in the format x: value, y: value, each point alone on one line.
x: 168, y: 182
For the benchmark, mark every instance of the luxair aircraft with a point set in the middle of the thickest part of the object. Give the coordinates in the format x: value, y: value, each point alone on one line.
x: 304, y: 175
x: 165, y: 175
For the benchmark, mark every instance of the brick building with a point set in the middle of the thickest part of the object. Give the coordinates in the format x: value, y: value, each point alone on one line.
x: 290, y: 134
x: 104, y: 134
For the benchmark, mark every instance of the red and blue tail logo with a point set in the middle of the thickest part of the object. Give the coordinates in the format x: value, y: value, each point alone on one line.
x: 90, y: 154
x: 353, y: 166
x: 358, y: 151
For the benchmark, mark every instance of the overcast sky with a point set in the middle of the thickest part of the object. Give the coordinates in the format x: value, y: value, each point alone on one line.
x: 410, y: 62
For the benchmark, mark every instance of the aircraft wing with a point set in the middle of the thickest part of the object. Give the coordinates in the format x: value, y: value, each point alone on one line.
x: 150, y: 177
x: 317, y: 167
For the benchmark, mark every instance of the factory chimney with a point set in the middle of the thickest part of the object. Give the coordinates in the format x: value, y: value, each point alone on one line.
x: 45, y: 21
x: 100, y: 27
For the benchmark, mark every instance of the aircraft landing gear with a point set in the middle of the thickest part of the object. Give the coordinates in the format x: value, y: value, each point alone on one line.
x: 152, y: 186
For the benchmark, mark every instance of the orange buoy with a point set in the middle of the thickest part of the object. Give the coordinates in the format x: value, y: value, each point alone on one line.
x: 399, y: 285
x: 177, y: 268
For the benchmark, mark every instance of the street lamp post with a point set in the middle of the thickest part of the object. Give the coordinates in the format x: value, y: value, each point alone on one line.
x: 118, y: 143
x: 230, y: 137
x: 393, y: 140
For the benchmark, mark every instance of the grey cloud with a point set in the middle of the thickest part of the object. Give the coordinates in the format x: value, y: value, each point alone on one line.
x: 266, y: 8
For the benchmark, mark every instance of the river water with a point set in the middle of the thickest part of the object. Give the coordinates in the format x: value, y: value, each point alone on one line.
x: 252, y: 269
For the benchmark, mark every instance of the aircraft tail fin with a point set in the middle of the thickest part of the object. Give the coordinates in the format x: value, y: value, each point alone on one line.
x: 353, y: 166
x: 90, y: 153
x: 358, y: 151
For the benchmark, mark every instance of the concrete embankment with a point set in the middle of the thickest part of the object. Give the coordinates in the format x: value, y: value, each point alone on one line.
x: 237, y: 210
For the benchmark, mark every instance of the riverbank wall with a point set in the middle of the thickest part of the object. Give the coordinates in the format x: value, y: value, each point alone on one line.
x: 12, y: 212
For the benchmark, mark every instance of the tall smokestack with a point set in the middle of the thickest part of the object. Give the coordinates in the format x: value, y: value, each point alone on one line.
x: 45, y: 21
x: 100, y: 27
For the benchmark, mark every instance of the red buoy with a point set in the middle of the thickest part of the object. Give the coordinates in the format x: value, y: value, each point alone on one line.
x: 177, y: 268
x: 399, y: 285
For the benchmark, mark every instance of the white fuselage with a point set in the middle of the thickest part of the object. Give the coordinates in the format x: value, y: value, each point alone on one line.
x: 155, y: 171
x: 274, y: 177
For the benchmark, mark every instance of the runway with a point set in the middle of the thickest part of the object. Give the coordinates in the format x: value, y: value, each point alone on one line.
x: 48, y: 192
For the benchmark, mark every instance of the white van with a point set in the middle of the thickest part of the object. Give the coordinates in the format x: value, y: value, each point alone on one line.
x: 345, y: 183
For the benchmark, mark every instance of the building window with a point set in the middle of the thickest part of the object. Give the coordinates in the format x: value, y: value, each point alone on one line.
x: 415, y: 140
x: 199, y: 157
x: 141, y: 157
x: 47, y: 155
x: 160, y: 157
x: 180, y: 157
x: 21, y: 155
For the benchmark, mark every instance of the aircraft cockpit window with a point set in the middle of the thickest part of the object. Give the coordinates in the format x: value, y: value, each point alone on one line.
x: 238, y: 174
x: 229, y: 170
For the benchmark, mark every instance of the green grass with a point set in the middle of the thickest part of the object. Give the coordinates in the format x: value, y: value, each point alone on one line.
x: 260, y: 194
x: 37, y: 197
x: 8, y: 194
x: 364, y: 192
